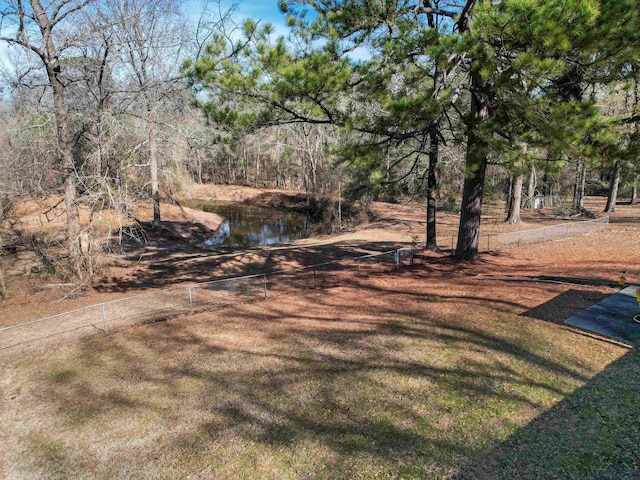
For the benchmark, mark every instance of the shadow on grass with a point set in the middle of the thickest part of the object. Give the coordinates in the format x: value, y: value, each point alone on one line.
x: 624, y: 219
x: 565, y: 305
x: 594, y: 433
x: 166, y: 267
x: 406, y: 395
x: 383, y: 381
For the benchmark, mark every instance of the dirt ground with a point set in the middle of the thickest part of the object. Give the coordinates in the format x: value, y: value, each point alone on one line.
x: 517, y: 291
x: 353, y: 381
x: 179, y: 258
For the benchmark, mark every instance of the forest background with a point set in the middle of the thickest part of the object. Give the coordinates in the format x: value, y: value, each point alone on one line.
x: 107, y: 103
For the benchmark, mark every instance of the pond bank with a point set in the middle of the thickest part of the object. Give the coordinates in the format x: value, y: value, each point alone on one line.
x: 272, y: 198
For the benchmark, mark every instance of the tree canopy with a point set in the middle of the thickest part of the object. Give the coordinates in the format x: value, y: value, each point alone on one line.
x: 494, y: 74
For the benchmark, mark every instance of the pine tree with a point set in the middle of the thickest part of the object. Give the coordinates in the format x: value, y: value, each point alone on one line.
x: 504, y: 72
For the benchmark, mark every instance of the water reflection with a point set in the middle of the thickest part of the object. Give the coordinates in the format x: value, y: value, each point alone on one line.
x: 248, y: 225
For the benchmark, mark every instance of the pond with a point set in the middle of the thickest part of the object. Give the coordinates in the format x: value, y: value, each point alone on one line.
x: 249, y: 225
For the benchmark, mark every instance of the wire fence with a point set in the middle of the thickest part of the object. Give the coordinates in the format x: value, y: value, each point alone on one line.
x: 496, y: 241
x: 187, y: 299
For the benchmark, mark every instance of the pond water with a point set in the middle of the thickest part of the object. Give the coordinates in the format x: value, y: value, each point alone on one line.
x: 249, y: 225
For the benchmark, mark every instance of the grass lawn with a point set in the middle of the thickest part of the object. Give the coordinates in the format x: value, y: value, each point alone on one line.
x: 392, y: 376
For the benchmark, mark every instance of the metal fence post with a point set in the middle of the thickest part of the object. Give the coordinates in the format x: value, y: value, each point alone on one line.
x: 358, y: 266
x: 488, y: 242
x: 315, y: 281
x: 104, y: 317
x: 265, y: 285
x: 452, y: 244
x: 397, y: 255
x: 190, y: 301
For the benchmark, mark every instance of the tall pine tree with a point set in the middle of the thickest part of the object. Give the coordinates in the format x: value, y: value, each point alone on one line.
x: 506, y: 72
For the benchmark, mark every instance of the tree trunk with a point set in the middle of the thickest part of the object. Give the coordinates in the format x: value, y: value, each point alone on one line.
x: 578, y: 188
x: 340, y: 203
x: 476, y: 167
x: 432, y: 185
x: 153, y: 164
x: 514, y: 202
x: 583, y: 181
x: 578, y: 191
x: 634, y: 194
x: 613, y: 189
x: 51, y: 61
x: 531, y: 188
x: 3, y: 285
x: 509, y: 197
x: 471, y: 210
x: 68, y: 167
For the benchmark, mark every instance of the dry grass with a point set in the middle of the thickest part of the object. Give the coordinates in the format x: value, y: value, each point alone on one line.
x: 444, y: 370
x: 47, y: 216
x: 390, y: 376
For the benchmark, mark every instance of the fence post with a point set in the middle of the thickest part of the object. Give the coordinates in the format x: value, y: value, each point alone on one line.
x: 190, y: 301
x: 488, y: 242
x: 358, y: 260
x: 265, y: 285
x: 452, y: 244
x: 315, y: 281
x: 397, y: 256
x: 104, y: 317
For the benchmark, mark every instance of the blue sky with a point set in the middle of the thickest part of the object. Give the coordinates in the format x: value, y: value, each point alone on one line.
x: 266, y: 11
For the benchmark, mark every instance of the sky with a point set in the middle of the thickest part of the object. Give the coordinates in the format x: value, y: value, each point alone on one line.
x: 266, y: 11
x: 263, y: 10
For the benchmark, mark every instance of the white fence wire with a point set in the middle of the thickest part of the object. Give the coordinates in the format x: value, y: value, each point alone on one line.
x: 496, y: 241
x: 216, y: 294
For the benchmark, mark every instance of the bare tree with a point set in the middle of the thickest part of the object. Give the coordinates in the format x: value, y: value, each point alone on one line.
x: 613, y: 188
x: 50, y: 31
x: 153, y: 42
x: 3, y: 285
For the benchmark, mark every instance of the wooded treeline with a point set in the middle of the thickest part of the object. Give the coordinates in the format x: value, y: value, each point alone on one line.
x: 107, y: 101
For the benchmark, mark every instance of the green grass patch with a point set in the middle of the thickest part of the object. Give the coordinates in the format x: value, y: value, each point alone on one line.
x: 593, y: 433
